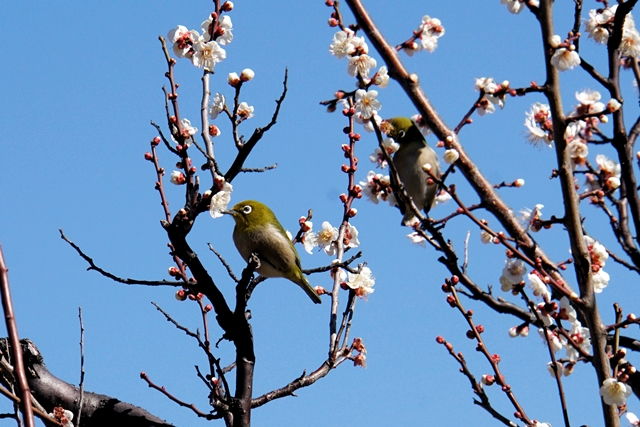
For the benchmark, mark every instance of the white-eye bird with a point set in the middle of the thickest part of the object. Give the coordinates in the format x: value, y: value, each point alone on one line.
x: 409, y: 160
x: 258, y: 231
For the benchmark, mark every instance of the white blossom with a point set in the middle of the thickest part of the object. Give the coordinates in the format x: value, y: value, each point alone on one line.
x: 245, y: 111
x: 632, y: 418
x: 350, y: 239
x: 360, y: 65
x: 220, y: 200
x: 512, y: 273
x: 565, y: 59
x: 538, y: 122
x: 553, y: 341
x: 538, y: 287
x: 361, y: 282
x: 217, y: 106
x: 183, y: 41
x: 566, y: 312
x: 432, y: 30
x: 451, y: 156
x: 366, y: 103
x: 345, y: 43
x: 417, y: 239
x: 381, y: 78
x: 600, y: 281
x: 207, y: 55
x: 581, y: 337
x: 178, y: 178
x: 326, y: 238
x: 224, y: 30
x: 597, y: 26
x: 614, y: 392
x: 390, y: 146
x: 486, y: 237
x: 514, y: 6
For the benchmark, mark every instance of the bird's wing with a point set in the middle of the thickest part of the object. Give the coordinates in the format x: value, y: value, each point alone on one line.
x: 276, y: 249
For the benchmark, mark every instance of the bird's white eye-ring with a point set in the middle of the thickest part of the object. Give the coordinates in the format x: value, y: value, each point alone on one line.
x: 246, y: 210
x: 401, y: 134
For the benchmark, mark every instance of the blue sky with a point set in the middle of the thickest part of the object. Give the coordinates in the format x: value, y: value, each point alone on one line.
x: 82, y: 82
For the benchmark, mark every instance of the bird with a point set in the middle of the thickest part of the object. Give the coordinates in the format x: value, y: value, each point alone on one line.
x: 409, y: 160
x: 257, y: 230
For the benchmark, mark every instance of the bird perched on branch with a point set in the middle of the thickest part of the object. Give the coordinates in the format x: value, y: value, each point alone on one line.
x: 258, y: 231
x: 410, y: 161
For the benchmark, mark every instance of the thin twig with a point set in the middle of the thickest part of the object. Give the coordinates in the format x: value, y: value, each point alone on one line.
x: 16, y: 347
x: 81, y: 402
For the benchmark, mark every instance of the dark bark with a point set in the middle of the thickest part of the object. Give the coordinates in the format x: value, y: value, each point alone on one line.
x: 98, y: 410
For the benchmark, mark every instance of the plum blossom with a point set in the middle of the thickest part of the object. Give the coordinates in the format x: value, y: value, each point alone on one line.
x: 531, y: 218
x: 381, y: 78
x: 245, y: 111
x: 538, y: 287
x: 417, y: 239
x: 207, y: 54
x: 366, y: 123
x: 514, y: 6
x: 223, y: 33
x: 566, y: 312
x: 614, y: 392
x: 326, y: 238
x: 220, y: 200
x: 361, y: 282
x: 489, y: 100
x: 64, y: 416
x: 451, y: 156
x: 486, y: 237
x: 599, y: 24
x: 360, y: 65
x: 538, y: 122
x: 390, y: 146
x: 431, y: 31
x: 512, y: 273
x: 589, y: 103
x: 346, y: 43
x: 217, y: 106
x: 378, y: 187
x: 350, y: 239
x: 366, y: 103
x: 581, y: 337
x: 183, y: 41
x: 565, y: 59
x: 417, y: 119
x: 178, y: 178
x: 600, y: 281
x: 552, y: 339
x: 632, y: 418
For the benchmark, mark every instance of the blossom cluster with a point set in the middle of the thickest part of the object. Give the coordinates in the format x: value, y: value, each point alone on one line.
x: 428, y: 32
x: 494, y: 94
x: 204, y: 50
x: 599, y: 27
x: 347, y: 45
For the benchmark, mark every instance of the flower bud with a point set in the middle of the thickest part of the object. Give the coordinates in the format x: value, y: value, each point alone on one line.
x: 247, y: 74
x: 181, y: 295
x: 155, y: 141
x: 233, y: 79
x: 226, y: 6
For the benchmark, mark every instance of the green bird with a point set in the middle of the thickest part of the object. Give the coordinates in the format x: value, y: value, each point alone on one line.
x: 412, y: 155
x: 258, y: 231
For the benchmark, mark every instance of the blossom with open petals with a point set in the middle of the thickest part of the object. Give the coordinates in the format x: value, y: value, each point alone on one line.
x: 207, y: 55
x: 220, y: 200
x: 565, y: 59
x: 183, y: 41
x: 217, y: 106
x: 366, y: 103
x: 360, y: 65
x: 614, y: 392
x: 361, y: 282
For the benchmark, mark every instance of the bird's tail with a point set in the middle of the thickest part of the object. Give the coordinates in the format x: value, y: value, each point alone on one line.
x: 304, y: 284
